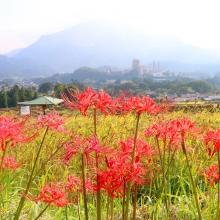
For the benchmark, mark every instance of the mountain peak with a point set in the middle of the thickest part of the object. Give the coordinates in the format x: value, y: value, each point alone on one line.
x: 99, y: 43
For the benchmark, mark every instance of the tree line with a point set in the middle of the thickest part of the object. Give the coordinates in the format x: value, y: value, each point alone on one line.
x: 163, y: 87
x: 59, y: 88
x: 136, y: 86
x: 13, y: 96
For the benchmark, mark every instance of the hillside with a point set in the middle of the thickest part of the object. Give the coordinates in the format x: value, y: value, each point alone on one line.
x: 81, y: 75
x: 11, y: 67
x: 13, y: 52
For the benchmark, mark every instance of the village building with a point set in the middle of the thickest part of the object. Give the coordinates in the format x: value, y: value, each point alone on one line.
x: 43, y: 101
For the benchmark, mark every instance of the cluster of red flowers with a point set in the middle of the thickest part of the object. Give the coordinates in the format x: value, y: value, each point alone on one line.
x: 13, y: 130
x: 140, y: 105
x: 9, y: 163
x: 172, y: 131
x: 212, y: 140
x: 89, y: 98
x: 62, y: 194
x: 52, y: 121
x: 115, y: 170
x: 212, y: 175
x: 184, y: 126
x: 75, y: 184
x: 102, y: 100
x: 82, y: 146
x: 142, y: 149
x: 120, y: 170
x: 53, y: 194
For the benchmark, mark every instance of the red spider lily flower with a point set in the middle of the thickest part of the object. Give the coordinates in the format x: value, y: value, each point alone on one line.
x: 119, y: 171
x: 212, y: 140
x: 53, y: 194
x: 10, y: 163
x: 75, y: 184
x: 140, y: 105
x: 165, y: 132
x: 184, y: 126
x: 90, y: 98
x: 83, y: 146
x: 112, y: 182
x: 142, y: 147
x: 52, y: 121
x: 89, y: 186
x: 13, y: 130
x: 104, y: 102
x: 118, y: 103
x: 80, y: 101
x: 212, y: 175
x: 159, y: 130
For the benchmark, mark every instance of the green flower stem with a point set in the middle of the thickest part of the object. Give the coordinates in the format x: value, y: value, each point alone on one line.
x: 167, y: 175
x: 107, y: 207
x: 160, y: 154
x: 95, y: 121
x: 162, y: 164
x: 192, y: 181
x: 132, y: 162
x: 123, y: 202
x: 2, y: 160
x: 66, y: 213
x: 44, y: 164
x: 98, y: 194
x: 170, y: 161
x: 164, y: 179
x: 135, y: 202
x: 42, y: 212
x: 84, y: 188
x: 217, y: 213
x: 210, y: 203
x: 112, y: 208
x: 78, y: 204
x: 21, y: 203
x: 3, y: 157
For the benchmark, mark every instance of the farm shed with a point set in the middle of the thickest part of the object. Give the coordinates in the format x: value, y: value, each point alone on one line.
x: 43, y: 101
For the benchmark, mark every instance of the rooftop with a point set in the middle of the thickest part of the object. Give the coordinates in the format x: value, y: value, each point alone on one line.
x: 43, y: 100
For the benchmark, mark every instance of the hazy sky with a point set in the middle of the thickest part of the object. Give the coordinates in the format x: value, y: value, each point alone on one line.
x: 22, y: 22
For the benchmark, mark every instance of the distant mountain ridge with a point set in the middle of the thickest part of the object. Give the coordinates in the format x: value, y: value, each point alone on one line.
x: 22, y: 68
x: 98, y: 43
x: 13, y: 52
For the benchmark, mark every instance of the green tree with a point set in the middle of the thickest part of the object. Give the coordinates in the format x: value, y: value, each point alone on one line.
x: 22, y: 96
x: 5, y: 100
x: 202, y: 86
x: 118, y: 81
x: 58, y: 89
x: 161, y: 91
x: 13, y: 96
x: 143, y: 85
x: 14, y: 99
x: 35, y: 95
x: 45, y: 87
x: 1, y: 99
x: 29, y: 92
x: 184, y: 89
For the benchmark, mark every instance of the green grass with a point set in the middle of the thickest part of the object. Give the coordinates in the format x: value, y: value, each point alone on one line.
x: 111, y: 130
